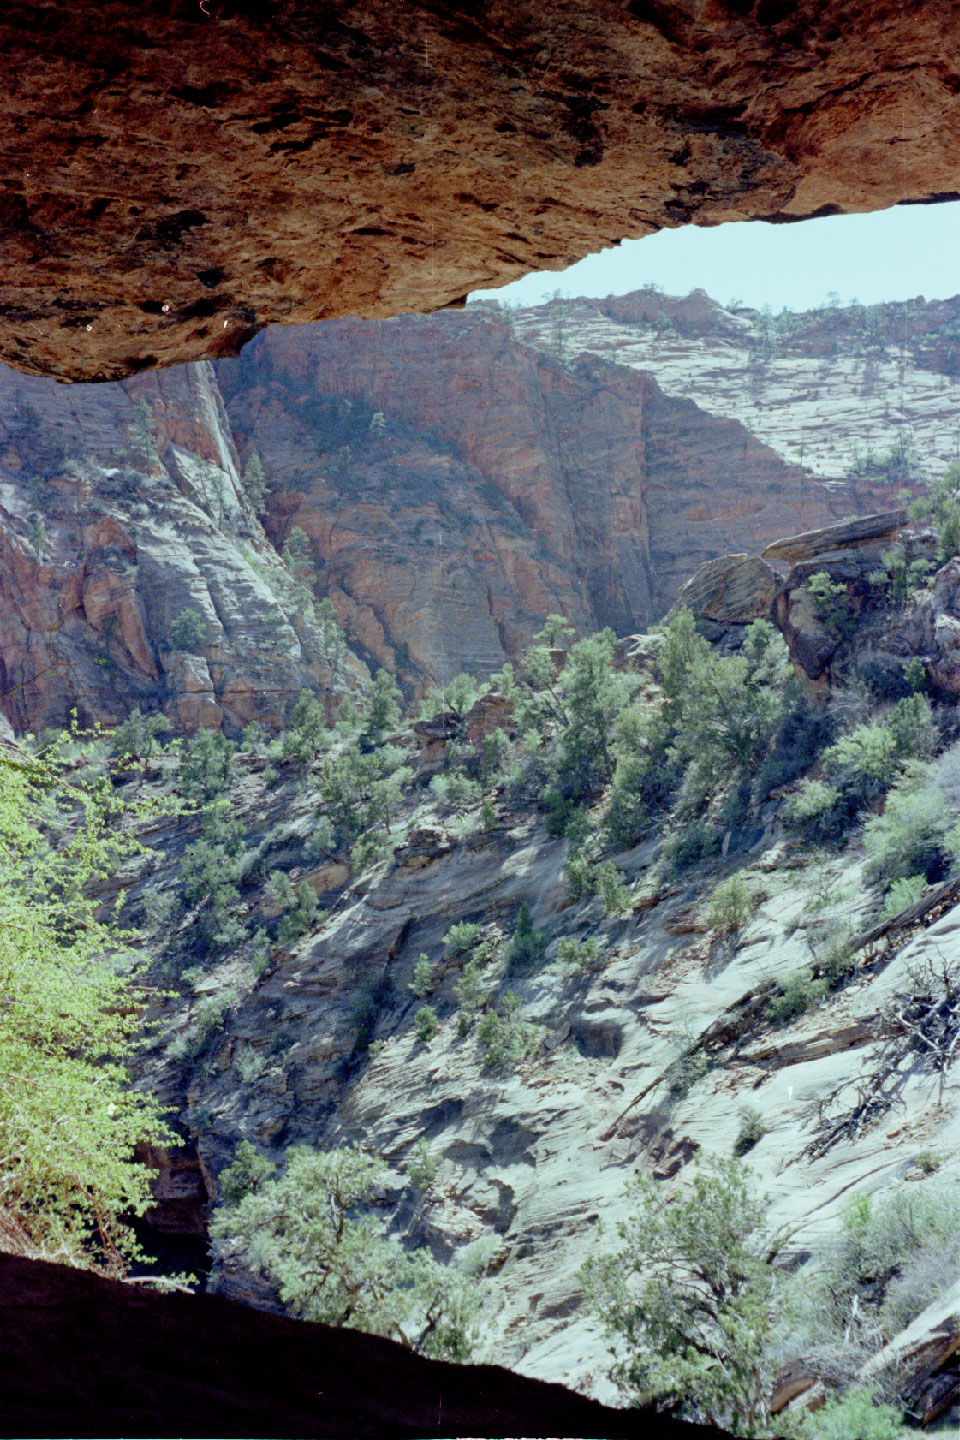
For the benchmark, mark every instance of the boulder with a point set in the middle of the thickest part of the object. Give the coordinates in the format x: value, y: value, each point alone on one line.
x: 929, y: 626
x: 810, y: 643
x: 731, y: 590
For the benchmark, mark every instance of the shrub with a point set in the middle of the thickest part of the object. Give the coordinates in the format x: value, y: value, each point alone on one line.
x: 423, y: 978
x: 902, y: 893
x: 141, y: 435
x: 462, y: 937
x: 689, y: 845
x: 863, y: 763
x: 915, y: 674
x: 254, y: 484
x: 423, y: 1165
x: 897, y: 576
x: 206, y: 766
x: 688, y: 1299
x: 503, y: 1037
x: 910, y: 1230
x: 137, y: 735
x: 913, y: 835
x: 816, y: 812
x: 578, y: 954
x: 941, y: 505
x: 752, y: 1129
x: 471, y: 992
x: 612, y: 888
x: 800, y: 992
x: 323, y: 839
x: 188, y: 631
x: 301, y: 916
x: 858, y: 1413
x: 831, y: 603
x: 426, y: 1024
x: 730, y: 906
x: 913, y: 729
x: 527, y: 948
x: 247, y: 1172
x: 455, y: 790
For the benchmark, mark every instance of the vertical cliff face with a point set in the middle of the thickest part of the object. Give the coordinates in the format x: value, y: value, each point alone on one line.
x: 108, y: 534
x: 458, y: 485
x: 458, y: 478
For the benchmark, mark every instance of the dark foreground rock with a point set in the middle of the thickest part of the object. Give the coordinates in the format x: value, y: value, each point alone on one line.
x: 81, y: 1356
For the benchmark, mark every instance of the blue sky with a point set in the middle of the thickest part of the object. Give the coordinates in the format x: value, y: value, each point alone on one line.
x: 892, y: 254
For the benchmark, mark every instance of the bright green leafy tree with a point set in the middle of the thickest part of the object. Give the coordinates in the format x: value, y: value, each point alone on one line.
x: 69, y: 1020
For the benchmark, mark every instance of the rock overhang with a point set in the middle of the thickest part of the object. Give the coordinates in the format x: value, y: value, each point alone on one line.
x: 180, y: 175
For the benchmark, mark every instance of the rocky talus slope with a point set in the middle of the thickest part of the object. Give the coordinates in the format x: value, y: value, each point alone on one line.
x: 643, y: 1057
x: 181, y: 175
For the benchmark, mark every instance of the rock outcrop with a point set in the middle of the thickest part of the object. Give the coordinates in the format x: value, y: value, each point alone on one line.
x: 455, y: 483
x: 180, y: 175
x: 498, y: 484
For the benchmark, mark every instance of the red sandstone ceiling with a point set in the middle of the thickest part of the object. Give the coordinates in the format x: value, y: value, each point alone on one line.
x: 179, y: 173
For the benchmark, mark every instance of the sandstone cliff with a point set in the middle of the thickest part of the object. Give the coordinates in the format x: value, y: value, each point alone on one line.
x: 180, y: 175
x: 457, y: 477
x: 103, y: 546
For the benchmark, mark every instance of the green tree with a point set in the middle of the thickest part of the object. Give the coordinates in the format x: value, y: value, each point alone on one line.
x: 206, y: 766
x: 137, y: 735
x: 332, y: 637
x: 69, y: 1117
x: 314, y: 1233
x: 188, y: 631
x: 141, y: 435
x: 310, y: 735
x: 941, y: 505
x: 688, y: 1299
x: 255, y: 485
x: 382, y: 701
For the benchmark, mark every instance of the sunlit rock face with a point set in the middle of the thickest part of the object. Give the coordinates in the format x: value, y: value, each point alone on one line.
x: 179, y: 175
x: 102, y: 549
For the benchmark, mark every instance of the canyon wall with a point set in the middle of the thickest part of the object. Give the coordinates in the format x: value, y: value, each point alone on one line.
x: 457, y: 478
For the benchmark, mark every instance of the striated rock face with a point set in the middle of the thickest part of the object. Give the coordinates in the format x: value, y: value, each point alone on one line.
x: 180, y: 175
x: 102, y: 549
x: 455, y: 483
x: 732, y: 590
x: 497, y: 484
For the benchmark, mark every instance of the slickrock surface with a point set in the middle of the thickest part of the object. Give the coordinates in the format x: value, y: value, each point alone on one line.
x: 853, y: 394
x: 85, y: 1356
x: 531, y: 1158
x: 178, y: 174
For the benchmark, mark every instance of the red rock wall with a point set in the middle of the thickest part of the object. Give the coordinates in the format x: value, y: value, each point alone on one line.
x: 178, y: 175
